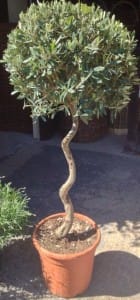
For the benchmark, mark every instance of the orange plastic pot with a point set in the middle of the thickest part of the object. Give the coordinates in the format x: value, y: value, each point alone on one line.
x: 67, y: 275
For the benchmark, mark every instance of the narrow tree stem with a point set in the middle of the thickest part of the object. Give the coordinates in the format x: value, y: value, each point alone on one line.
x: 64, y: 189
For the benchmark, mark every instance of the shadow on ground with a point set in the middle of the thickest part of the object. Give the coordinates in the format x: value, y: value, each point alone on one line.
x: 107, y: 186
x: 116, y: 273
x: 20, y: 272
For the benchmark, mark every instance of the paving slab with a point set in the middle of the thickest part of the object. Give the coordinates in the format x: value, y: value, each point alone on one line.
x: 107, y: 189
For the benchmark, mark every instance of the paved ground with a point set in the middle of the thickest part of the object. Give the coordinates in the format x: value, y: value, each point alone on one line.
x: 107, y: 189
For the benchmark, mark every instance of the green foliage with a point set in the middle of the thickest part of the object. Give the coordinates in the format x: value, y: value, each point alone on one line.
x: 63, y: 55
x: 14, y: 213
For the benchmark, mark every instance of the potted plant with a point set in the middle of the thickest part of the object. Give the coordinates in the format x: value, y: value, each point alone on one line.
x: 78, y: 59
x: 14, y: 212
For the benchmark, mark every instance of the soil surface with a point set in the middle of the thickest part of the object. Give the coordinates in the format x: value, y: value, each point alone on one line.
x: 80, y: 237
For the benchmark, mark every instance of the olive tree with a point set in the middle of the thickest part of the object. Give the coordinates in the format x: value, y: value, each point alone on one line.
x: 75, y: 58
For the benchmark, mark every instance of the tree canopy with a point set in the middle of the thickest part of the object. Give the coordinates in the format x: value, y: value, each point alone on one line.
x: 62, y: 55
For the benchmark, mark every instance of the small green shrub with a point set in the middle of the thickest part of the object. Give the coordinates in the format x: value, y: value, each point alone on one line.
x: 14, y: 212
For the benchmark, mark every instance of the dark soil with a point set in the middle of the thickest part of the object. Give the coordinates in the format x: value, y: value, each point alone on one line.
x: 80, y: 237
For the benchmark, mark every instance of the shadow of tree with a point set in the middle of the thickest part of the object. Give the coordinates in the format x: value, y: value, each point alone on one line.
x: 20, y: 272
x: 117, y: 273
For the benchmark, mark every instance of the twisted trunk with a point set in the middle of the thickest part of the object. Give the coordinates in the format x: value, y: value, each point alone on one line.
x: 64, y: 189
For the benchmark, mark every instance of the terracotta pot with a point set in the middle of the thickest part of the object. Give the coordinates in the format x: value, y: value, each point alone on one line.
x: 67, y: 275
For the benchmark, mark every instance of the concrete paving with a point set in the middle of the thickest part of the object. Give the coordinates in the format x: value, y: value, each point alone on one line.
x: 107, y: 189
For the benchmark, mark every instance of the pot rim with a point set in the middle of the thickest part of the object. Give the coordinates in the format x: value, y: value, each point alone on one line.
x: 67, y: 256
